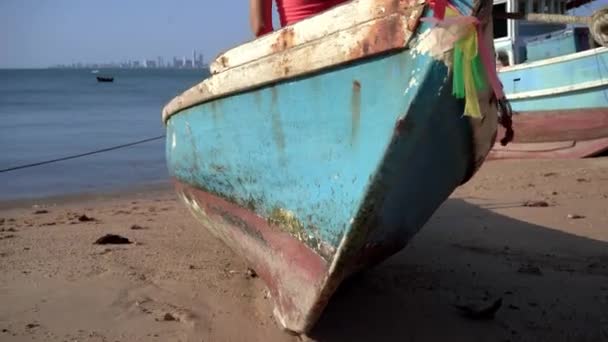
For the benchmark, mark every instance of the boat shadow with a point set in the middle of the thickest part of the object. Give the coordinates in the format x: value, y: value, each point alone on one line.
x: 470, y: 255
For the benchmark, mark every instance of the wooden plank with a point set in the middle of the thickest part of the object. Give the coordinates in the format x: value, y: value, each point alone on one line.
x: 374, y: 37
x: 337, y: 19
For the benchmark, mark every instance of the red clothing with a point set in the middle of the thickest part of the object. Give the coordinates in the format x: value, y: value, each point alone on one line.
x: 292, y: 11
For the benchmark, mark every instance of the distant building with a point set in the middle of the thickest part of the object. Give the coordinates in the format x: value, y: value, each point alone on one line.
x: 199, y: 62
x: 177, y: 63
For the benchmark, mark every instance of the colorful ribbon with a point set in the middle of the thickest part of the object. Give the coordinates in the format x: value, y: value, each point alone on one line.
x: 473, y: 67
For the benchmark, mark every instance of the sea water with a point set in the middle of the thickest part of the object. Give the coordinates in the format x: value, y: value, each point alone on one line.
x: 53, y: 113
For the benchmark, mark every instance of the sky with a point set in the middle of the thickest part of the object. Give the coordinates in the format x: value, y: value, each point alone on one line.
x: 41, y: 33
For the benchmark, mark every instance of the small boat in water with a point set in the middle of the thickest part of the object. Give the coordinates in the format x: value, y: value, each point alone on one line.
x: 556, y: 79
x: 105, y: 79
x: 320, y: 149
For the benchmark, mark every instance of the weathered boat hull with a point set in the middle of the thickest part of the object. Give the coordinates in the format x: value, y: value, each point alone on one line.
x: 566, y: 134
x: 315, y: 177
x: 560, y: 107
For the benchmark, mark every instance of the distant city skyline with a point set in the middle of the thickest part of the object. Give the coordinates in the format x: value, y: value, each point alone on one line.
x: 39, y: 34
x: 195, y: 61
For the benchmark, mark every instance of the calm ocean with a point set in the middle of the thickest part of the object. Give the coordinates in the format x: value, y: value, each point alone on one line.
x: 46, y: 114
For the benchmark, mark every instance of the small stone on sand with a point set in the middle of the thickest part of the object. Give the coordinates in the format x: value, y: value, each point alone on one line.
x: 169, y: 317
x: 112, y: 239
x: 85, y: 218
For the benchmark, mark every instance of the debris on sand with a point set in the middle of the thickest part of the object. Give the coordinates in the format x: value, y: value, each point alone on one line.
x: 85, y: 218
x: 530, y: 269
x: 251, y: 273
x: 168, y: 317
x: 32, y: 325
x: 41, y: 211
x: 575, y: 217
x: 112, y: 239
x: 484, y: 313
x: 137, y: 227
x: 536, y: 204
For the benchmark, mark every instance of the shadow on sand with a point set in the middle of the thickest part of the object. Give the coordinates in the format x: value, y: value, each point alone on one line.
x: 554, y: 285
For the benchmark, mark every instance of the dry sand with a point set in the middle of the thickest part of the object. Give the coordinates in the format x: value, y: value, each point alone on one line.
x: 177, y: 283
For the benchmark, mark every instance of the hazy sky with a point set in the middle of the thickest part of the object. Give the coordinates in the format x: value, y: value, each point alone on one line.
x: 39, y: 33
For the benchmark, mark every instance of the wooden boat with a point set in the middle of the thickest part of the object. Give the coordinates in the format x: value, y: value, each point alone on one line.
x: 322, y: 148
x: 556, y: 82
x: 105, y: 79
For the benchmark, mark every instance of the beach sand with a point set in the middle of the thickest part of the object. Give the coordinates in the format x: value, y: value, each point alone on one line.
x: 547, y: 261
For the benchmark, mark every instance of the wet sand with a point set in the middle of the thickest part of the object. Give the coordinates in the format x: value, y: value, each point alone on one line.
x: 532, y: 233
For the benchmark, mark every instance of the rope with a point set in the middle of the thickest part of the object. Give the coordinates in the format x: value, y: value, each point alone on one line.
x: 599, y: 26
x: 545, y: 18
x: 81, y: 154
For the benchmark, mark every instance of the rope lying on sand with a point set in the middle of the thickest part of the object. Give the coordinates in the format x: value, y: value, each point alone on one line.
x: 82, y: 154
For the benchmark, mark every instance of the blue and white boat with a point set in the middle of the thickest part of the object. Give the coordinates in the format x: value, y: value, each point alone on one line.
x: 322, y: 148
x: 556, y: 79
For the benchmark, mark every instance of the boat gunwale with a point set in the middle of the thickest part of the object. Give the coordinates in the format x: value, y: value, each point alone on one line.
x: 554, y: 60
x: 391, y: 32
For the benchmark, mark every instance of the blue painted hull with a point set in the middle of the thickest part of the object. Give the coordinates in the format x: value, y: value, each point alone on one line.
x: 584, y: 75
x: 290, y: 146
x: 560, y: 107
x: 313, y: 178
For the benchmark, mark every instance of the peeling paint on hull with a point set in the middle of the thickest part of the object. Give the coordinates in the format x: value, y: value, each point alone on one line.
x: 313, y: 178
x: 293, y: 272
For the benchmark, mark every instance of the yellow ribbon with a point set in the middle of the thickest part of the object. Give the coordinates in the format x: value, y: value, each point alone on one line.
x: 468, y: 45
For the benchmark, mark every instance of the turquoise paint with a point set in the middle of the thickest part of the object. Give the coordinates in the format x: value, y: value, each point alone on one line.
x: 561, y: 74
x: 555, y: 44
x: 318, y: 145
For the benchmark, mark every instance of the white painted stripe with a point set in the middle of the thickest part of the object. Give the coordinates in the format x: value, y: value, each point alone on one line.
x: 554, y: 60
x: 557, y: 90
